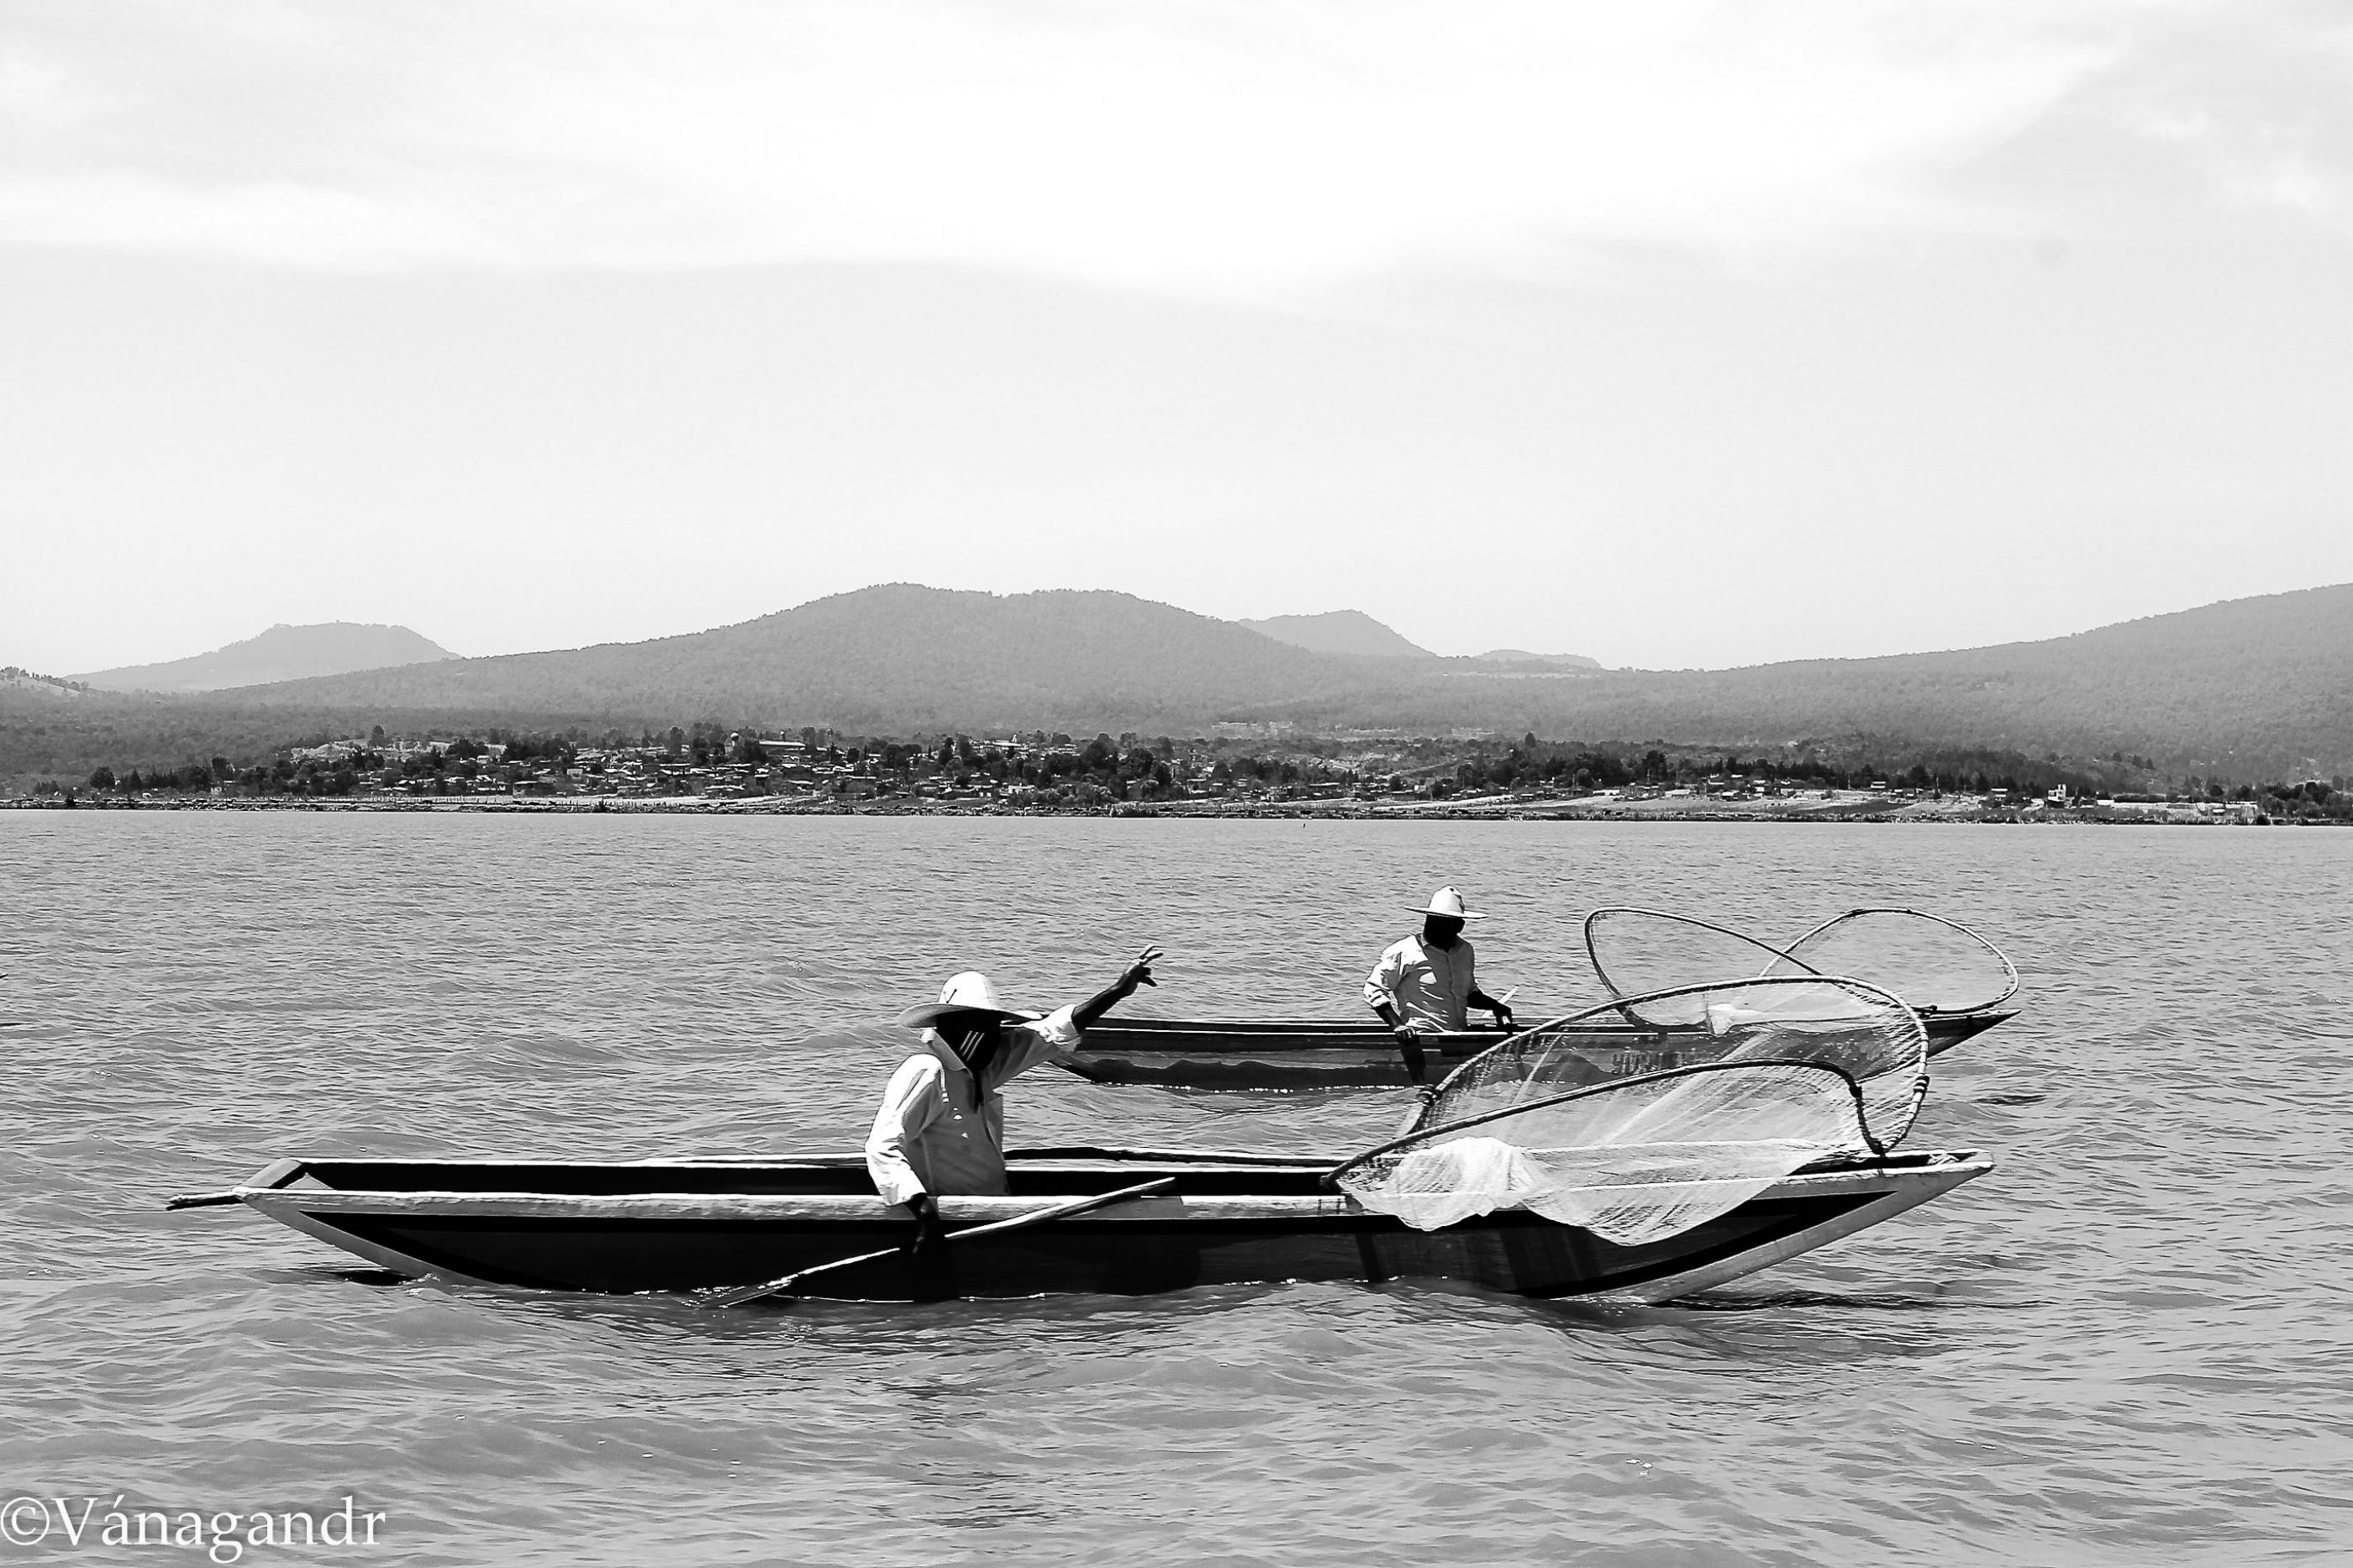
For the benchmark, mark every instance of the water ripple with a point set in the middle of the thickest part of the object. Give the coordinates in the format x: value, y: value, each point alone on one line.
x: 2127, y: 1345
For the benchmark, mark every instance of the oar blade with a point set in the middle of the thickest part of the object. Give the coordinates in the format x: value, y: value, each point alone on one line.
x: 741, y: 1294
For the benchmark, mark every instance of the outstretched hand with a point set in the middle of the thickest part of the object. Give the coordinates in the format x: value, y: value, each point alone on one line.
x: 1139, y: 971
x: 1136, y: 973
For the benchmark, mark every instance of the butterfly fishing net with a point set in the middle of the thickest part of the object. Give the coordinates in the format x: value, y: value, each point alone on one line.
x: 1657, y: 956
x: 1807, y: 1068
x: 1649, y: 959
x: 1935, y: 964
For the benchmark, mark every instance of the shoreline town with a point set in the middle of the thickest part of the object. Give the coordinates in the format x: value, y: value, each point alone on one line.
x: 1367, y: 775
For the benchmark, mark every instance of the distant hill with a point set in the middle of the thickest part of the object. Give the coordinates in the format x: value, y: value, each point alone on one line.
x: 2253, y: 689
x: 895, y: 657
x: 1554, y: 660
x: 282, y: 653
x: 1339, y: 631
x: 26, y: 682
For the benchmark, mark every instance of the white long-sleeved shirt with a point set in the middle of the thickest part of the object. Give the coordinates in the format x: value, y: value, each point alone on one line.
x: 937, y: 1131
x: 1424, y: 984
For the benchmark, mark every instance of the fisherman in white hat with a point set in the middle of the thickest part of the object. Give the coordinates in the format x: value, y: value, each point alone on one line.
x: 941, y: 1127
x: 1425, y: 982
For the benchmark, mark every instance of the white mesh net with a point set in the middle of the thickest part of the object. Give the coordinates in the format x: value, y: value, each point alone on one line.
x: 1807, y: 1068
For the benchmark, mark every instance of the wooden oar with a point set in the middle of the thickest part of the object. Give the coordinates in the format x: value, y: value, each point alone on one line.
x: 743, y: 1293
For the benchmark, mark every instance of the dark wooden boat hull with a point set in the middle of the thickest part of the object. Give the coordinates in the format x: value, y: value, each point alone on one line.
x: 1233, y: 1219
x: 1345, y: 1054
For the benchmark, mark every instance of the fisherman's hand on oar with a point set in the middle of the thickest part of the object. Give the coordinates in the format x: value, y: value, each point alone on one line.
x: 928, y: 1235
x: 1408, y: 1039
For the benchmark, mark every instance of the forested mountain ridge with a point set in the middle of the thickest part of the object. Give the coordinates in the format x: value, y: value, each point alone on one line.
x: 896, y: 657
x: 2251, y: 689
x: 2248, y: 687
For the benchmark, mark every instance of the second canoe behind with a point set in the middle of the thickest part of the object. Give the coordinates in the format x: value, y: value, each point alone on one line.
x: 1347, y: 1052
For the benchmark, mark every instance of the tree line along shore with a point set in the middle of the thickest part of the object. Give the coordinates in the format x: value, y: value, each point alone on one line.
x: 1241, y: 768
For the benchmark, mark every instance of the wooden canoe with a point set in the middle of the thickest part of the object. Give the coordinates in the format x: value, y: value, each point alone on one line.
x: 1346, y: 1053
x: 684, y: 1225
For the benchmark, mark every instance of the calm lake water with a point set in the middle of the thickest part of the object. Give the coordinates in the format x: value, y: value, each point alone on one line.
x: 2132, y: 1343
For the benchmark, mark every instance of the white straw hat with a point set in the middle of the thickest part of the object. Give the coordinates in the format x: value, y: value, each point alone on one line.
x: 967, y: 993
x: 1448, y: 902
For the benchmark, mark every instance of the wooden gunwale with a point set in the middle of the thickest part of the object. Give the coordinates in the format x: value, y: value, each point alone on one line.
x: 838, y: 1208
x: 1142, y: 1024
x: 1279, y: 1034
x: 1252, y: 1037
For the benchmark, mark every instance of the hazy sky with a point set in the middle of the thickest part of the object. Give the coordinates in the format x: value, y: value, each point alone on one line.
x: 1671, y: 333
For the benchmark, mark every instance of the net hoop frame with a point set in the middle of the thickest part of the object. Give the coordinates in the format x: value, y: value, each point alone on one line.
x: 1593, y: 955
x: 1864, y: 988
x: 2009, y: 970
x: 1330, y: 1180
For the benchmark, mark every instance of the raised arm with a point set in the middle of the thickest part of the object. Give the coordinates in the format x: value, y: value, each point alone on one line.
x: 1136, y: 973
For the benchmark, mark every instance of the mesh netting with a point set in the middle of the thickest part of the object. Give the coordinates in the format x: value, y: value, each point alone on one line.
x: 1650, y: 959
x: 1806, y: 1068
x: 1657, y: 956
x: 1934, y: 964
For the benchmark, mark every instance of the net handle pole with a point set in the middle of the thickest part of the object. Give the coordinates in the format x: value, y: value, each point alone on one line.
x: 1912, y: 1113
x: 1854, y: 1090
